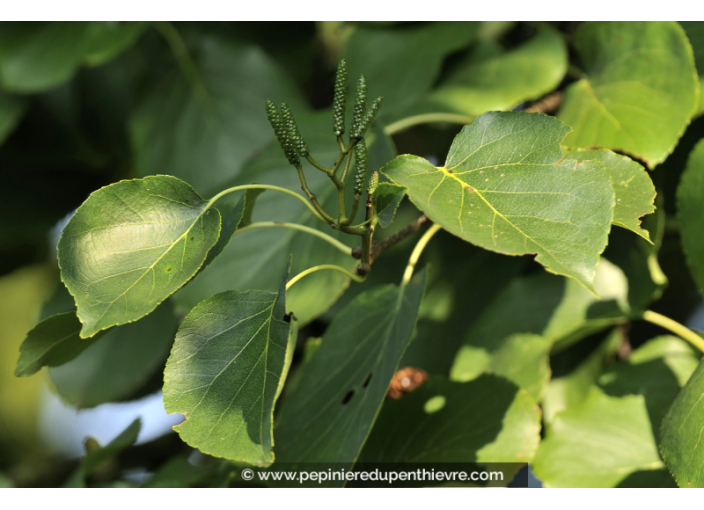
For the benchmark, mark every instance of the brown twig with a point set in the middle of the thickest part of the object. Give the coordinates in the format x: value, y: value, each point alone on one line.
x: 379, y: 247
x: 547, y: 104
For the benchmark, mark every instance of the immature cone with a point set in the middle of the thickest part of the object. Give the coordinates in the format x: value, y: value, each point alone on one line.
x: 360, y: 164
x: 299, y: 145
x: 360, y: 108
x: 278, y: 122
x: 369, y: 116
x: 339, y: 103
x: 373, y: 183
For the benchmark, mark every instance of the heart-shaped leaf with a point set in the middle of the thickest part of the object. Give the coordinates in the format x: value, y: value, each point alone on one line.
x: 507, y: 186
x: 640, y: 90
x: 131, y: 245
x: 227, y: 367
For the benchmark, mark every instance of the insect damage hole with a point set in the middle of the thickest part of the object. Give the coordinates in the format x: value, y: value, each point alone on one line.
x: 366, y: 381
x: 348, y: 396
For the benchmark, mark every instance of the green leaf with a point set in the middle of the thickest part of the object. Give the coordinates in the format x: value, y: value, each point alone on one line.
x: 259, y: 254
x: 638, y: 259
x: 95, y: 456
x: 12, y: 108
x: 51, y: 343
x: 690, y: 210
x: 411, y: 59
x: 178, y: 472
x: 507, y: 187
x: 695, y: 34
x: 460, y: 288
x: 486, y: 420
x: 226, y: 370
x: 120, y: 365
x: 640, y: 89
x: 328, y: 415
x: 604, y: 442
x: 635, y: 193
x: 657, y: 370
x: 207, y: 143
x: 386, y: 199
x: 572, y: 389
x: 131, y: 245
x: 501, y: 80
x: 681, y: 433
x: 40, y: 55
x: 516, y: 332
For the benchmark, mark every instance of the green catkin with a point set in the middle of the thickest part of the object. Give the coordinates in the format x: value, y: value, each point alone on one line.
x: 297, y: 142
x: 360, y: 165
x: 369, y: 116
x: 373, y: 183
x: 339, y: 103
x: 360, y: 108
x: 279, y: 123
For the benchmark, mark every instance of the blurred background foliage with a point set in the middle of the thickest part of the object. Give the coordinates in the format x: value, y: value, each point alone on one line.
x: 83, y: 105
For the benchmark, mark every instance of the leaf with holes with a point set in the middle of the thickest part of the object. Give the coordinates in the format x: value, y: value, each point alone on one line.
x: 226, y: 370
x: 506, y: 186
x: 328, y: 415
x: 131, y: 245
x: 640, y: 89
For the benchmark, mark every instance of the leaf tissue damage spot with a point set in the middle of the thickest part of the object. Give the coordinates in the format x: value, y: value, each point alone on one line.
x: 289, y: 316
x: 366, y: 381
x: 348, y: 396
x: 406, y: 380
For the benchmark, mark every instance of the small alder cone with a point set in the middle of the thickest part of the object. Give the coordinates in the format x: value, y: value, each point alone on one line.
x: 405, y: 381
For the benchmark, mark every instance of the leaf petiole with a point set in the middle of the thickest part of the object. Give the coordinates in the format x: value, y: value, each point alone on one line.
x: 313, y: 269
x: 303, y: 228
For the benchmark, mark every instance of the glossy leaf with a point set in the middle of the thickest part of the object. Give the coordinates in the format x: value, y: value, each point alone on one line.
x: 486, y: 420
x: 690, y: 205
x: 131, y: 245
x: 695, y: 34
x: 207, y: 141
x: 634, y: 191
x: 605, y: 442
x: 39, y: 55
x: 681, y: 431
x: 51, y: 343
x: 410, y: 62
x: 12, y: 109
x: 639, y: 92
x: 120, y: 364
x: 506, y: 186
x: 386, y: 199
x: 257, y: 255
x: 328, y: 415
x: 514, y: 335
x: 500, y: 81
x: 226, y: 370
